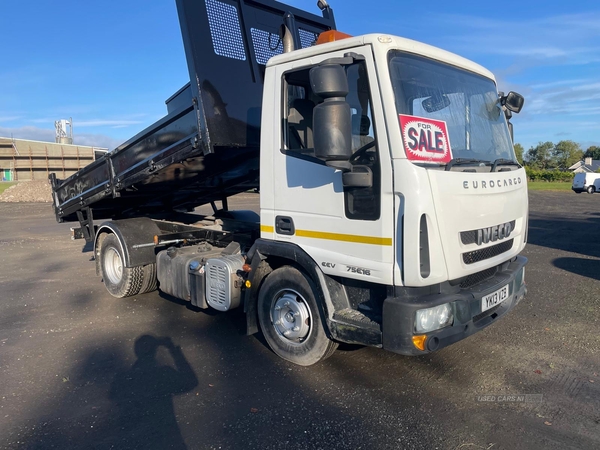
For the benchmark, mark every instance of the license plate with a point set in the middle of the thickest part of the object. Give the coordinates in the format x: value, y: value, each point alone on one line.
x: 495, y: 298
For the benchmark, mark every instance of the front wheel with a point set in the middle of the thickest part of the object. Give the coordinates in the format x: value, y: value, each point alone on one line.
x: 290, y: 319
x: 590, y: 189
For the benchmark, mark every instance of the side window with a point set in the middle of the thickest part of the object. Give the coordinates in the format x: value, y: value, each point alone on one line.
x: 362, y: 203
x: 299, y: 103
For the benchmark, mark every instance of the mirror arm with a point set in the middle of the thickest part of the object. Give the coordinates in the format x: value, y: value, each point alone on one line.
x: 348, y: 59
x: 508, y: 114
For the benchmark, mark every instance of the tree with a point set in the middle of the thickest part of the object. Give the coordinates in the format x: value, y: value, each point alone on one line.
x: 540, y: 156
x: 566, y: 153
x: 519, y: 153
x: 592, y: 152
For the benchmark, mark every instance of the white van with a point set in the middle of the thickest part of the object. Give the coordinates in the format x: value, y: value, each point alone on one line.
x: 589, y: 182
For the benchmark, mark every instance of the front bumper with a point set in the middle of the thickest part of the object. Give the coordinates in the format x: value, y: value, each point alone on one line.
x: 399, y: 312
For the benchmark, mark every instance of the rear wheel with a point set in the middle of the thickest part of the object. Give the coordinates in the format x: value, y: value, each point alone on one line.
x: 591, y: 189
x: 290, y: 319
x: 149, y: 282
x: 119, y: 280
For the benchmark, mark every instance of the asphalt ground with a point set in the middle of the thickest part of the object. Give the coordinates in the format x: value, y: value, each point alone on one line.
x: 81, y: 369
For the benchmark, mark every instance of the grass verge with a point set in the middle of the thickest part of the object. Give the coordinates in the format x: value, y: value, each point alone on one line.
x: 549, y: 186
x: 4, y: 185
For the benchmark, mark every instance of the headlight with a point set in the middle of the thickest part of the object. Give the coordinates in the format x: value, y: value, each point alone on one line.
x: 431, y: 319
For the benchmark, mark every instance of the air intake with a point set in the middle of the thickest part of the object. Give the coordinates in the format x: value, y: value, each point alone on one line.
x: 487, y: 253
x: 424, y: 248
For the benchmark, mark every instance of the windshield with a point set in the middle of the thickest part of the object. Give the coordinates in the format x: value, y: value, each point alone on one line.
x: 447, y: 113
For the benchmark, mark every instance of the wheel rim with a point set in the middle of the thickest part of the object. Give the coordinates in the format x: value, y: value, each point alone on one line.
x: 113, y: 265
x: 291, y: 317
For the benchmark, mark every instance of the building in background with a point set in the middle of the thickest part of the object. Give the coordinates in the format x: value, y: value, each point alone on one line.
x: 588, y: 165
x: 24, y: 160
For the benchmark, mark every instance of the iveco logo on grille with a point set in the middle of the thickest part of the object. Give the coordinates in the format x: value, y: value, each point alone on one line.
x: 495, y: 233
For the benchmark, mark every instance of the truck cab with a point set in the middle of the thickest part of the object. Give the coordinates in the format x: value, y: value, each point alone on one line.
x: 446, y: 206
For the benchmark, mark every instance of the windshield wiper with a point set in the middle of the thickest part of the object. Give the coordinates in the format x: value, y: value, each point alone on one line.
x: 504, y: 162
x: 460, y: 161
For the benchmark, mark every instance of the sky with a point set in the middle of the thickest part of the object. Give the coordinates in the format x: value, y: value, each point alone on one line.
x: 111, y: 64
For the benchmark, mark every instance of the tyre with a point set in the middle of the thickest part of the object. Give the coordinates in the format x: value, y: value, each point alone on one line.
x: 290, y: 319
x: 149, y: 280
x: 119, y: 280
x: 591, y: 189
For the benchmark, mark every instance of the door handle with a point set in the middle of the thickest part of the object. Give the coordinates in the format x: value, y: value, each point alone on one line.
x: 284, y: 225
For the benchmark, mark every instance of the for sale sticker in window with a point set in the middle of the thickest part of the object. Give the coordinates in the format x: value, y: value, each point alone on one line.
x: 425, y: 140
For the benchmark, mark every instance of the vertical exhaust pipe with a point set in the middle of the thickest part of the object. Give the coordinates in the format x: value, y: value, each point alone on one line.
x: 289, y: 34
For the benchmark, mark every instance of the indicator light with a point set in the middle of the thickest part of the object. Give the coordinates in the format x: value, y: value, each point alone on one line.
x: 419, y: 341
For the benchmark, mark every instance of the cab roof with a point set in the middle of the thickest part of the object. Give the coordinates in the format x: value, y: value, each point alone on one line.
x: 384, y: 43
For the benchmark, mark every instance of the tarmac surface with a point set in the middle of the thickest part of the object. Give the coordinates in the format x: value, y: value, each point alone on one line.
x: 81, y: 369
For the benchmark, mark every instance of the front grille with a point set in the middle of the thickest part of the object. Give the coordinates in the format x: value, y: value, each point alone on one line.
x: 487, y: 313
x: 476, y: 278
x: 487, y: 253
x: 470, y: 237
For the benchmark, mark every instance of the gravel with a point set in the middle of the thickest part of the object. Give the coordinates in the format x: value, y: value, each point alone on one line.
x: 71, y: 378
x: 28, y: 191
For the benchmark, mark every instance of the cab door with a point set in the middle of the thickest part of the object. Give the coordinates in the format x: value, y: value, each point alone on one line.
x: 347, y: 231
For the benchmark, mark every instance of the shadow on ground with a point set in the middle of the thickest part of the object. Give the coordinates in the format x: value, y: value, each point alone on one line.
x: 580, y: 266
x: 224, y: 390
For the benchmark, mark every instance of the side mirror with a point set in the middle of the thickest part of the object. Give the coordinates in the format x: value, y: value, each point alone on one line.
x: 513, y: 102
x: 332, y: 119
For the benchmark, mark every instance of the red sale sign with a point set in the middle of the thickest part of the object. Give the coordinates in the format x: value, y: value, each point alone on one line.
x: 425, y: 140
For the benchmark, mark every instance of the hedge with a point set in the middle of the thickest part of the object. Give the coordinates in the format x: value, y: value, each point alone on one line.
x: 548, y: 175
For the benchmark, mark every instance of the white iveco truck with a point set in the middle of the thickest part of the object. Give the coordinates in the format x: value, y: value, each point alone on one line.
x: 392, y: 208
